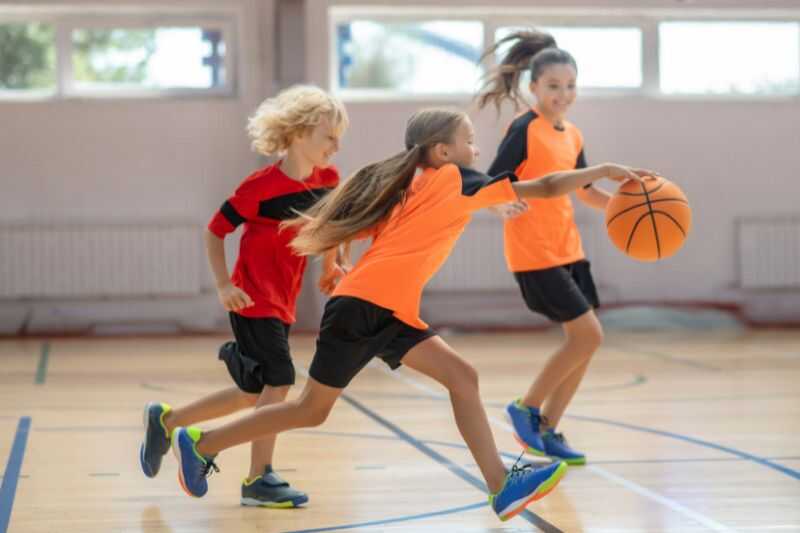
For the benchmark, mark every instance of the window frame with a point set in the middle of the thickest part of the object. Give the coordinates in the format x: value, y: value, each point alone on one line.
x: 378, y: 95
x: 646, y: 19
x: 733, y: 97
x: 64, y: 22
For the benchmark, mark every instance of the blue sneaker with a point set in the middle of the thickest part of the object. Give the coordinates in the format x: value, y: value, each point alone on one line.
x: 555, y: 445
x: 523, y: 486
x: 527, y: 425
x: 270, y: 490
x: 193, y: 468
x: 156, y: 438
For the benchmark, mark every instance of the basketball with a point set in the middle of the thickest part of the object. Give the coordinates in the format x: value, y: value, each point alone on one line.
x: 648, y: 221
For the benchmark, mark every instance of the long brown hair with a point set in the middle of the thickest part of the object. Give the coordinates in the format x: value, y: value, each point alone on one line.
x: 369, y: 195
x: 532, y: 50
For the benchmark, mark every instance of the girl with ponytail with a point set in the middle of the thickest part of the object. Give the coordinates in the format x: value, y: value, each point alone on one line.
x: 542, y: 245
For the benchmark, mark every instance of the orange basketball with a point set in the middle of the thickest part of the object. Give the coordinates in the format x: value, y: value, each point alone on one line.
x: 648, y: 221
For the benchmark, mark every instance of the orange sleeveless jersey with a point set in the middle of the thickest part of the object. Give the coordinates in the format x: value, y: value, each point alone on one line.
x: 410, y: 246
x: 545, y: 236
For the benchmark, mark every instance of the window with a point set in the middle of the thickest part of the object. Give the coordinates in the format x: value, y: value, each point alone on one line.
x: 147, y: 58
x: 27, y: 58
x: 607, y: 57
x: 729, y: 57
x: 113, y: 55
x: 433, y: 57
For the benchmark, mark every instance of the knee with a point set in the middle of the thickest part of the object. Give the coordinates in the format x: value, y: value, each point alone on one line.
x: 595, y: 335
x: 463, y: 379
x: 247, y: 399
x: 312, y: 413
x: 587, y: 338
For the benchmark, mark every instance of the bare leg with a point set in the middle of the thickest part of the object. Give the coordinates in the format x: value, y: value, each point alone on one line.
x: 555, y: 406
x: 583, y: 336
x: 212, y: 406
x: 310, y: 409
x: 434, y: 358
x: 262, y: 449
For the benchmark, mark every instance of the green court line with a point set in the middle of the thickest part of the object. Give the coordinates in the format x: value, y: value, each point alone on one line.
x: 41, y: 371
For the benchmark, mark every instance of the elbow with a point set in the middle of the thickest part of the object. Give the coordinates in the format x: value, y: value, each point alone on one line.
x: 549, y: 187
x: 210, y: 236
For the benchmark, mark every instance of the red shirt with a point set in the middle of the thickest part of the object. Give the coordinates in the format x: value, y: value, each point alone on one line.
x: 267, y: 269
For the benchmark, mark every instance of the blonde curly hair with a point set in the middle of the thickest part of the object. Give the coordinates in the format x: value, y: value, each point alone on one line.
x: 294, y: 111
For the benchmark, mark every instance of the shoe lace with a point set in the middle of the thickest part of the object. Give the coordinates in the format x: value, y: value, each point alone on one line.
x: 519, y: 471
x: 560, y: 437
x: 210, y: 467
x: 543, y: 422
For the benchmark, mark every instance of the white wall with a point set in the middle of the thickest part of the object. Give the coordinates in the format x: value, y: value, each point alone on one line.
x: 133, y: 160
x: 179, y: 158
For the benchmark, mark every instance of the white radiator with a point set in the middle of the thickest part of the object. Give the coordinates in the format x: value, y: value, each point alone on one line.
x: 769, y: 252
x: 98, y: 260
x: 478, y: 264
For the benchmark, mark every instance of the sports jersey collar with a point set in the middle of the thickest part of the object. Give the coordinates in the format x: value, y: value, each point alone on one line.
x: 305, y: 181
x: 541, y: 115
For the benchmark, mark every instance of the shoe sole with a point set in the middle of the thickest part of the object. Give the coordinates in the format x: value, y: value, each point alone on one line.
x: 545, y: 488
x: 291, y: 504
x: 146, y: 422
x: 527, y: 449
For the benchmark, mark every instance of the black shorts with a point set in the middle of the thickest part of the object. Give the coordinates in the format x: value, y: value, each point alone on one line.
x: 561, y: 293
x: 260, y: 356
x: 353, y: 331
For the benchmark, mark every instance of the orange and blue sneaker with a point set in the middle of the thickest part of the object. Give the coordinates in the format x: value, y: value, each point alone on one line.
x: 270, y: 490
x: 555, y: 445
x: 527, y: 422
x: 524, y: 485
x: 156, y: 438
x: 193, y: 468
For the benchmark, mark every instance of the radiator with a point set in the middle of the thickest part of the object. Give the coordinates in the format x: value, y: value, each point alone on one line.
x: 99, y: 260
x: 768, y: 251
x: 477, y: 262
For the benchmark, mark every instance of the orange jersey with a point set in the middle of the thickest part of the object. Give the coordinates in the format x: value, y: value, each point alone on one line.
x: 414, y: 241
x: 546, y: 235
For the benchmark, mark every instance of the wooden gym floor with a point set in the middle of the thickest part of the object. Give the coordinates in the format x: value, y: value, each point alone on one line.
x: 684, y: 432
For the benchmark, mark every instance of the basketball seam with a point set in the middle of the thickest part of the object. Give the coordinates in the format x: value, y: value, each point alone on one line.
x: 660, y: 185
x: 633, y: 232
x: 612, y: 219
x: 672, y: 219
x: 652, y: 218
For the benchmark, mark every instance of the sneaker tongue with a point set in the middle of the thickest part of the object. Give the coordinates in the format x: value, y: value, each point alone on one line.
x: 274, y: 480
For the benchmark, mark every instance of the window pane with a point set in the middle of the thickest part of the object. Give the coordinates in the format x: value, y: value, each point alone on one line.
x: 606, y: 57
x: 151, y: 58
x: 421, y: 57
x: 27, y: 57
x: 729, y: 57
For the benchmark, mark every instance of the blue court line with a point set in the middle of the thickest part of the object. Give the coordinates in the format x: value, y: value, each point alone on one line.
x: 395, y: 520
x: 744, y: 455
x: 534, y: 519
x: 41, y: 370
x: 9, y: 486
